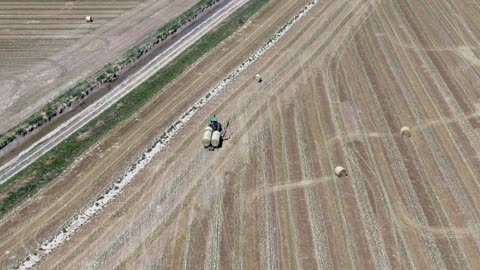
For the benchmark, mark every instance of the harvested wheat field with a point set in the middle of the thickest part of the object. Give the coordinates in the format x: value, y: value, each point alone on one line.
x: 47, y: 46
x: 336, y: 91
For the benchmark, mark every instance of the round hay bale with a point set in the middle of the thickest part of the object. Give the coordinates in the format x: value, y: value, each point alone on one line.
x: 405, y: 131
x: 258, y: 78
x: 89, y: 19
x: 340, y: 171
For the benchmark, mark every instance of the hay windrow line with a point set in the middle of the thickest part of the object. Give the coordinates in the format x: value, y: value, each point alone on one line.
x: 268, y: 257
x: 293, y: 234
x: 385, y: 129
x: 451, y: 233
x: 316, y: 220
x: 432, y: 102
x: 349, y: 245
x: 455, y: 107
x: 393, y: 105
x: 358, y: 182
x: 413, y: 107
x: 171, y: 194
x: 159, y: 202
x: 361, y: 195
x: 187, y: 249
x: 473, y: 15
x: 387, y: 201
x: 364, y: 133
x: 442, y: 86
x: 241, y: 199
x: 447, y: 21
x: 194, y: 190
x: 432, y: 248
x: 215, y: 233
x: 399, y: 166
x: 238, y: 261
x: 327, y: 78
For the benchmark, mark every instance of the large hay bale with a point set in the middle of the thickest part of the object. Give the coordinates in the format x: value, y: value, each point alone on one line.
x: 340, y: 171
x: 405, y: 131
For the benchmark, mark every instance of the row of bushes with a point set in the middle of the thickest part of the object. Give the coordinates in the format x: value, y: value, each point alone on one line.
x: 105, y: 75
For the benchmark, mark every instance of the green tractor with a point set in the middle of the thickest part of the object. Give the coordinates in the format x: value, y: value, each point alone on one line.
x: 212, y: 134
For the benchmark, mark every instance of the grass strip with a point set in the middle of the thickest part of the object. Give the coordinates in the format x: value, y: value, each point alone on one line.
x: 52, y: 164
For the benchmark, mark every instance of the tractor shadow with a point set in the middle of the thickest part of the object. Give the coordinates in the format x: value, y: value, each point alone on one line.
x: 224, y: 137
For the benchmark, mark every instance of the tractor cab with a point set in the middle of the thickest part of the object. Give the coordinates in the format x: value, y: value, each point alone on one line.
x: 214, y: 124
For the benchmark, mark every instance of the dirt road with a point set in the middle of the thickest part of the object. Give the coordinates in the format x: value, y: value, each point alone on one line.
x: 336, y: 91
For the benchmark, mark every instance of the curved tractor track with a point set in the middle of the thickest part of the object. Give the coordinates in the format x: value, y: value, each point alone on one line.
x: 336, y: 90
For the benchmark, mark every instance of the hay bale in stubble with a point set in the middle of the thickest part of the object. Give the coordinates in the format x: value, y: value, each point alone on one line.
x: 340, y: 171
x: 405, y: 131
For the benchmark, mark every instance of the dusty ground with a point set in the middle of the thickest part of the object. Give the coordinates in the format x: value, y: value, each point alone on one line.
x: 336, y: 91
x: 45, y: 47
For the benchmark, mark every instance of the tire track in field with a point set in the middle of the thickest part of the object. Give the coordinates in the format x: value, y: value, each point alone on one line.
x: 291, y: 231
x: 399, y: 167
x: 268, y: 248
x: 358, y: 182
x: 458, y: 249
x: 413, y: 107
x: 387, y: 59
x: 215, y: 233
x: 373, y: 234
x: 430, y: 188
x: 316, y: 218
x: 187, y: 248
x: 238, y: 262
x: 350, y: 246
x: 440, y: 158
x: 447, y: 96
x: 444, y: 217
x: 441, y: 120
x: 366, y: 135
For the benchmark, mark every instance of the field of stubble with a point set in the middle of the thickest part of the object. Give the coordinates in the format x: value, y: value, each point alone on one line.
x: 336, y: 91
